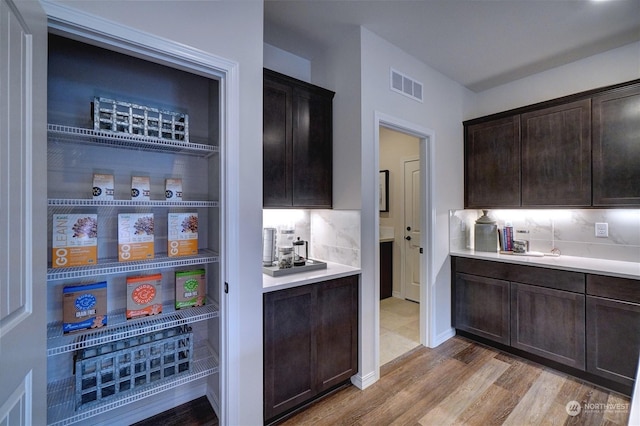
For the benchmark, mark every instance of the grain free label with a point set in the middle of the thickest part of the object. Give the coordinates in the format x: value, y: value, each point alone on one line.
x: 84, y: 306
x: 190, y: 288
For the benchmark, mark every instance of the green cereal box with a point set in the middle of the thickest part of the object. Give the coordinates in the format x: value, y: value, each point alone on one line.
x: 190, y: 288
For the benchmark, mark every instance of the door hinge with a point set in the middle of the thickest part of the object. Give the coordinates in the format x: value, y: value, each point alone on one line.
x: 226, y: 287
x: 421, y: 250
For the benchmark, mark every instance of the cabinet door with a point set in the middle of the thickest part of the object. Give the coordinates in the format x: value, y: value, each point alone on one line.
x: 386, y: 269
x: 492, y: 164
x: 289, y: 349
x: 549, y: 323
x: 312, y: 172
x: 556, y: 155
x: 613, y: 339
x: 482, y: 307
x: 616, y: 148
x: 277, y: 139
x: 337, y: 331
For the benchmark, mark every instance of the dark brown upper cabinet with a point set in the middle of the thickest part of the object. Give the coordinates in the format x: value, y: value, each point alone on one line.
x: 556, y: 156
x: 297, y: 143
x: 492, y: 163
x: 616, y: 147
x: 581, y: 150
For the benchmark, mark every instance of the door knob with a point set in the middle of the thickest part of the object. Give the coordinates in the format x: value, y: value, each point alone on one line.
x: 408, y: 238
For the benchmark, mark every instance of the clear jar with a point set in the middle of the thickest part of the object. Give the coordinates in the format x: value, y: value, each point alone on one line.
x: 285, y: 257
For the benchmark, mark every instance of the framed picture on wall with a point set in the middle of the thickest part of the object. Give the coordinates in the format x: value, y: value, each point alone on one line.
x: 384, y: 190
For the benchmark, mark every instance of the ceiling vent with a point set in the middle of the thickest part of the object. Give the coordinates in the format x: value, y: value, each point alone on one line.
x: 406, y: 85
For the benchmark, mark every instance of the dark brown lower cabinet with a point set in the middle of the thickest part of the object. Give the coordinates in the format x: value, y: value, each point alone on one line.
x: 482, y: 307
x: 386, y: 269
x: 549, y: 323
x: 613, y: 327
x: 310, y: 342
x: 613, y: 339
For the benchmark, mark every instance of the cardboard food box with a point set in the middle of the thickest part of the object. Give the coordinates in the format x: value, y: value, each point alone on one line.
x: 135, y: 236
x: 74, y: 240
x: 84, y: 307
x: 190, y: 288
x: 144, y: 295
x: 103, y: 186
x: 173, y: 189
x: 140, y: 188
x: 182, y: 237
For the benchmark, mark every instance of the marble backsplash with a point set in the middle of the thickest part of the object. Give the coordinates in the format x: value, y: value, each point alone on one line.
x: 336, y: 236
x: 333, y: 235
x: 572, y: 231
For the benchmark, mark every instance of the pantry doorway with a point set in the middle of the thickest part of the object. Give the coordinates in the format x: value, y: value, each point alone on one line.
x: 426, y: 139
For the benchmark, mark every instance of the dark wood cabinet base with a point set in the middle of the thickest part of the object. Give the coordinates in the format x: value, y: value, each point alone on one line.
x: 310, y: 343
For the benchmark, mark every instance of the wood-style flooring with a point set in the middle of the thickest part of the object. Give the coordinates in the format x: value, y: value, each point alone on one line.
x: 464, y: 383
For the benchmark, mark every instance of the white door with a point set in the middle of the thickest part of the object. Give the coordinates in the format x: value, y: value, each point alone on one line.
x: 23, y: 220
x: 411, y: 262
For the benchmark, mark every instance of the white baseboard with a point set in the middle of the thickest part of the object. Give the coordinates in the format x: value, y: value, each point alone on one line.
x: 443, y: 337
x: 363, y: 382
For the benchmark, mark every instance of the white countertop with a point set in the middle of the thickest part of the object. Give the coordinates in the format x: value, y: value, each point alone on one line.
x: 334, y: 270
x: 614, y: 268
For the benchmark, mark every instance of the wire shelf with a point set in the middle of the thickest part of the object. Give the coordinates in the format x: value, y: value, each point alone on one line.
x: 60, y: 133
x: 113, y: 266
x: 86, y: 202
x: 120, y: 328
x: 61, y: 394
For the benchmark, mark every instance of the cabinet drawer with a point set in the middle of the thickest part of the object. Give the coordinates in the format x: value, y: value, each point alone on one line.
x: 614, y: 288
x: 543, y: 277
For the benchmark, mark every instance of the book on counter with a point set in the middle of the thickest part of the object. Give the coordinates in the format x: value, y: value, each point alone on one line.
x: 507, y: 238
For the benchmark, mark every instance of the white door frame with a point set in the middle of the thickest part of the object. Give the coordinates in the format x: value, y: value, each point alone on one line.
x: 86, y: 27
x: 427, y: 221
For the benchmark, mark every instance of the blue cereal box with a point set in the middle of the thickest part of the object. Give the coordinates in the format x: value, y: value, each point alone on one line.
x: 84, y: 306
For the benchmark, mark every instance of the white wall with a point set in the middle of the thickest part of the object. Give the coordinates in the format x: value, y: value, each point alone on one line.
x: 339, y: 69
x: 441, y: 112
x: 287, y: 63
x: 234, y: 31
x: 611, y: 67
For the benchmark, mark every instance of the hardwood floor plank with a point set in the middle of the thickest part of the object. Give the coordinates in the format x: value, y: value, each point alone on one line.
x: 469, y: 391
x: 537, y: 401
x: 491, y: 408
x: 519, y: 378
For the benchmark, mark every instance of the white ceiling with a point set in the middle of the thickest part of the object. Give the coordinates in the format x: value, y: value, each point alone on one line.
x: 478, y: 43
